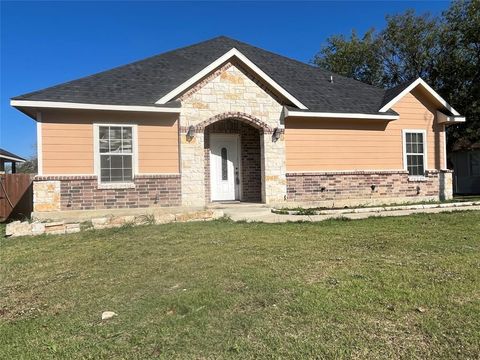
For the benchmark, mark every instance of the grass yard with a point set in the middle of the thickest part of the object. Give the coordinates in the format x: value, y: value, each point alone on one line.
x: 405, y: 287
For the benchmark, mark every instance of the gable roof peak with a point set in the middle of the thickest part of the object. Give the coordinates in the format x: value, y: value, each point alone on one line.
x: 233, y: 52
x: 393, y: 95
x: 144, y: 82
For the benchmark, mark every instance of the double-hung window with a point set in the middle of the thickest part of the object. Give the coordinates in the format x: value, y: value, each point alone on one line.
x: 115, y: 153
x: 414, y: 152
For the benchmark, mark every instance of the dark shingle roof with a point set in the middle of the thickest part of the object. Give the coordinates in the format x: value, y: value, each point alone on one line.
x: 8, y: 155
x: 145, y: 81
x: 391, y: 93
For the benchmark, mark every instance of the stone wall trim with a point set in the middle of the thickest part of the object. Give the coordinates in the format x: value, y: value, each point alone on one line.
x: 236, y: 115
x: 346, y: 172
x: 95, y: 177
x: 64, y: 177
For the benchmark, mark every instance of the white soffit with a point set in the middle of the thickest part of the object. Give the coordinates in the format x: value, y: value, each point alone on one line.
x: 289, y: 113
x: 67, y: 105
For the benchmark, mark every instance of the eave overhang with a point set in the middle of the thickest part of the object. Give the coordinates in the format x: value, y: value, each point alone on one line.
x: 311, y: 114
x: 428, y: 88
x: 12, y: 158
x: 27, y: 104
x: 449, y: 119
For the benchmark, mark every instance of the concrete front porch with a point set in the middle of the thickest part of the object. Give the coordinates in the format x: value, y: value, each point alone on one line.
x: 262, y: 213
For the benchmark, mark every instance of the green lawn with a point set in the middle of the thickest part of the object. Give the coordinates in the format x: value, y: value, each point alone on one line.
x: 405, y: 287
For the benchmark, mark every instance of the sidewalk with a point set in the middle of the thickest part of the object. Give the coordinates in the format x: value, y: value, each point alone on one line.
x: 260, y: 213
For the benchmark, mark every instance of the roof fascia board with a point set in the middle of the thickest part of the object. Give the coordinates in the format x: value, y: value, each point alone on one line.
x: 11, y: 158
x: 225, y: 57
x: 67, y: 105
x: 289, y: 113
x: 427, y: 87
x: 445, y: 119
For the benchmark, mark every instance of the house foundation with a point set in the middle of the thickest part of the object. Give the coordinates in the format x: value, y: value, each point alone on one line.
x: 60, y: 193
x: 354, y: 188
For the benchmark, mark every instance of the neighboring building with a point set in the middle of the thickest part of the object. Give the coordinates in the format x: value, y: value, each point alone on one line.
x: 8, y: 157
x: 465, y: 160
x: 222, y: 120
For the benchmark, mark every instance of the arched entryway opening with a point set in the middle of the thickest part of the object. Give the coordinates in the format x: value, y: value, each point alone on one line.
x: 233, y: 150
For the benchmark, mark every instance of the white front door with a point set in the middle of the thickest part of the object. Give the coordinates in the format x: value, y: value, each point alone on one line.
x: 224, y: 171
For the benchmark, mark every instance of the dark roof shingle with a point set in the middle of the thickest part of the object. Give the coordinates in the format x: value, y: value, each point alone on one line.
x: 145, y: 81
x: 392, y: 93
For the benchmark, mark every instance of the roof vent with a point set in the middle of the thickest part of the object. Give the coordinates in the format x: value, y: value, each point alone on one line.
x: 331, y: 79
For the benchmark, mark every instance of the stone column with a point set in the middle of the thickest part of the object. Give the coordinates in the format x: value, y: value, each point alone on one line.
x: 445, y: 185
x: 46, y: 196
x: 274, y: 170
x: 192, y: 169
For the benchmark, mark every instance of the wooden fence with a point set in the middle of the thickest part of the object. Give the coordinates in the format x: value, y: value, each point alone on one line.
x: 16, y: 195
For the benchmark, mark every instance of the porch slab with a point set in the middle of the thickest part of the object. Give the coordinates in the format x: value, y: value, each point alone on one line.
x: 244, y: 211
x: 256, y: 212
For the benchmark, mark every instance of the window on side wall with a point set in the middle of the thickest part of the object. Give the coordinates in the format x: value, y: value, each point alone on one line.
x: 115, y: 153
x: 414, y: 152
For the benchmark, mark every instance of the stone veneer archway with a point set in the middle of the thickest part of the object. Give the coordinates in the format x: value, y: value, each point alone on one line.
x: 271, y: 158
x: 246, y: 118
x: 230, y: 92
x: 250, y: 156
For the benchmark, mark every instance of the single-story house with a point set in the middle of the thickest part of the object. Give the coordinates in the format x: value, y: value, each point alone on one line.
x: 8, y: 157
x: 222, y: 120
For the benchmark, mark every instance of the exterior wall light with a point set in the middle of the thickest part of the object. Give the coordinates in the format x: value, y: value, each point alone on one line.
x: 276, y: 134
x: 191, y: 132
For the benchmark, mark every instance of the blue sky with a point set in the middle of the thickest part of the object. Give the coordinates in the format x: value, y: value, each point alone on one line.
x: 46, y: 43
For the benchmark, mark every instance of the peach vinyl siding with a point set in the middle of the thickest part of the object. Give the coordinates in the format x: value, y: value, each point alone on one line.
x: 362, y: 144
x: 67, y: 141
x: 157, y: 148
x: 67, y: 148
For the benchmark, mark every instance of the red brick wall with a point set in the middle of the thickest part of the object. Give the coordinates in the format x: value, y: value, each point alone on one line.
x: 250, y: 157
x: 322, y: 186
x: 251, y: 164
x: 82, y: 192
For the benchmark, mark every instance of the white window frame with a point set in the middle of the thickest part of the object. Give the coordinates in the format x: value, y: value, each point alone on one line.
x: 96, y: 154
x: 425, y: 151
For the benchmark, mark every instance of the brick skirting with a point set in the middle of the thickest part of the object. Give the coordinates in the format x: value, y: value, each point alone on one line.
x: 321, y: 186
x: 83, y: 193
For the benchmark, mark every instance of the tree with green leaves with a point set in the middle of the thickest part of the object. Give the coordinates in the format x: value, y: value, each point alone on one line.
x: 30, y: 166
x: 443, y: 50
x: 356, y: 58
